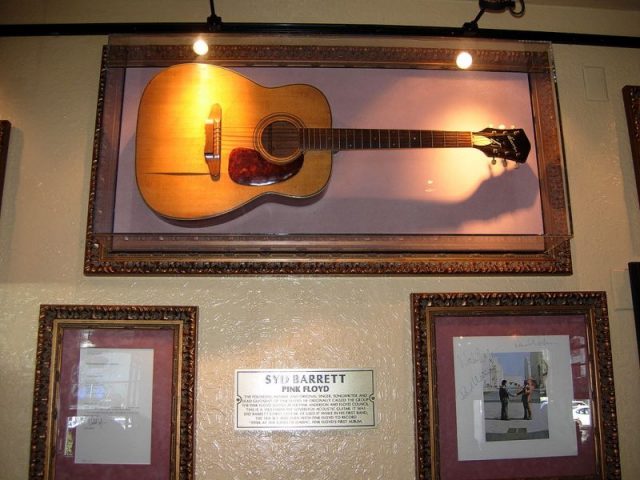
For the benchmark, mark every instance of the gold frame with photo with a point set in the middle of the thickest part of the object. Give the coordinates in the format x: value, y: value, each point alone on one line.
x: 581, y: 318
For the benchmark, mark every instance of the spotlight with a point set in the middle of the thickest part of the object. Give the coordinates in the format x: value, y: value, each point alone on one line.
x: 200, y: 47
x: 464, y: 60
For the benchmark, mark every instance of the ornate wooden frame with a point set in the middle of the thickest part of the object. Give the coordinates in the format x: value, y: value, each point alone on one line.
x: 108, y: 252
x: 631, y: 97
x: 54, y: 319
x: 5, y: 131
x: 592, y: 306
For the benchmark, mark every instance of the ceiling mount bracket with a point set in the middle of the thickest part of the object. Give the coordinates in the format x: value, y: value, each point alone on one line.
x: 471, y: 28
x: 214, y: 22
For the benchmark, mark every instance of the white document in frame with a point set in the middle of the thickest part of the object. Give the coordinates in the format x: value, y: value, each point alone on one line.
x: 115, y: 395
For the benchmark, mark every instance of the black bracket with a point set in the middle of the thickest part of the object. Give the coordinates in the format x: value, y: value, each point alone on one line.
x: 214, y: 22
x: 471, y: 28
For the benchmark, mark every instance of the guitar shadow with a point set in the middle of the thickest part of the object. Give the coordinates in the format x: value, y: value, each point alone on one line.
x: 494, y: 197
x: 497, y: 195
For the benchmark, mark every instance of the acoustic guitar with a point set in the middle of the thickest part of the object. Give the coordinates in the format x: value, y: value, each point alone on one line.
x: 210, y: 141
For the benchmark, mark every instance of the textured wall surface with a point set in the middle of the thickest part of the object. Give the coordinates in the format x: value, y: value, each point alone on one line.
x: 48, y: 90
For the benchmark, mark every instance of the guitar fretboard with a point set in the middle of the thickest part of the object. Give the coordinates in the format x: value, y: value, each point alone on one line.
x: 337, y: 139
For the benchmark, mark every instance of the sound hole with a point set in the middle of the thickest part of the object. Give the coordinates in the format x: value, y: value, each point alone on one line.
x: 281, y: 139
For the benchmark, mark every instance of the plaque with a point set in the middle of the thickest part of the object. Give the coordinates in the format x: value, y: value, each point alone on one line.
x: 306, y: 399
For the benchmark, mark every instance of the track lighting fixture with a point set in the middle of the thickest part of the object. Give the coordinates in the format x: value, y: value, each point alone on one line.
x: 214, y: 22
x: 496, y: 6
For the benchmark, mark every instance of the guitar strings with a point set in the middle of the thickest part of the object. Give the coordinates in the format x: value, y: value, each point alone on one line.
x: 337, y: 135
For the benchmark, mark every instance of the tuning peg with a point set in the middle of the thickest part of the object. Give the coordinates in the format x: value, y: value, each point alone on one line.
x: 493, y: 161
x: 504, y: 162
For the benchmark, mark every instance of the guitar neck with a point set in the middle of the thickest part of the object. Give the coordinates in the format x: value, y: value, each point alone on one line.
x: 337, y: 139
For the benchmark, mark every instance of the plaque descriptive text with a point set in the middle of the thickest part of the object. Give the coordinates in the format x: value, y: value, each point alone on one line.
x: 304, y: 399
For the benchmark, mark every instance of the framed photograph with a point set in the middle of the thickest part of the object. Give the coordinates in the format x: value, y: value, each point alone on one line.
x: 326, y: 155
x: 631, y: 98
x: 5, y: 130
x: 514, y: 385
x: 114, y: 393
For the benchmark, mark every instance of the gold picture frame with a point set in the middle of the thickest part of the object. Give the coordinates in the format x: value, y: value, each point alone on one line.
x: 631, y: 98
x: 474, y: 354
x: 114, y: 392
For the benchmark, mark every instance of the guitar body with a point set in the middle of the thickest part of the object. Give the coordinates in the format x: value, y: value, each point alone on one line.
x: 172, y: 173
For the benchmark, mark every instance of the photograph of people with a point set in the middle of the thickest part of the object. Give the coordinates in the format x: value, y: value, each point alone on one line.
x: 504, y: 400
x: 526, y: 397
x: 515, y: 397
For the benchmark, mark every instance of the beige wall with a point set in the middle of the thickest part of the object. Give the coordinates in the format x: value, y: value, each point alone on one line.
x: 48, y: 90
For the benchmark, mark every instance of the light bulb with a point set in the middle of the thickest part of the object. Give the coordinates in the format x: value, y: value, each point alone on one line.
x: 464, y: 60
x: 200, y: 47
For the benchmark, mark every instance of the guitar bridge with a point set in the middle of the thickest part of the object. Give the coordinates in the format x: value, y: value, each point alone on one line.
x: 213, y: 141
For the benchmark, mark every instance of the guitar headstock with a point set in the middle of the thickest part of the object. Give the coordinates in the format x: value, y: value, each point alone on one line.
x: 508, y: 144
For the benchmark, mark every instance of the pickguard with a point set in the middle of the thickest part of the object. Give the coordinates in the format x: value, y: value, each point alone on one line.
x: 248, y: 167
